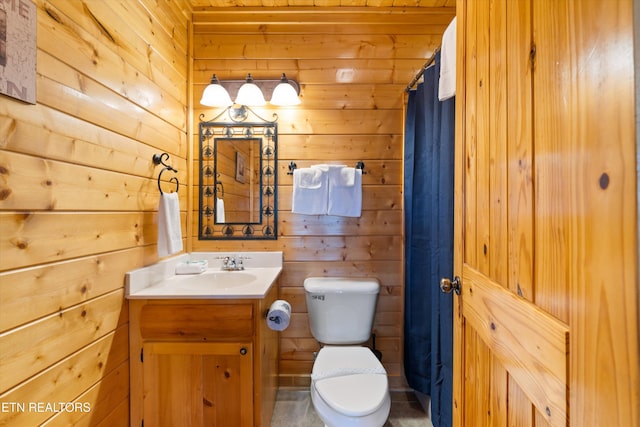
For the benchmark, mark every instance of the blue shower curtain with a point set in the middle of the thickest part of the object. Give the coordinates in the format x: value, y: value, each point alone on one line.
x: 428, y: 197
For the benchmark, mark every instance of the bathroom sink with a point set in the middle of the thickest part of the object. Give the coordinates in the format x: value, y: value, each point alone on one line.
x: 213, y: 283
x: 261, y: 270
x: 216, y: 280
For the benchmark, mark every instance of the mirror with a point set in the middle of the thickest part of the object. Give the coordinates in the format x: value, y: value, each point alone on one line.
x: 237, y: 163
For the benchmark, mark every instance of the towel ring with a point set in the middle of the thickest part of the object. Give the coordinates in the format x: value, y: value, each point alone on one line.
x: 159, y: 159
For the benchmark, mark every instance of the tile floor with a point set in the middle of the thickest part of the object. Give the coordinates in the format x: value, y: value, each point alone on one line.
x: 294, y: 409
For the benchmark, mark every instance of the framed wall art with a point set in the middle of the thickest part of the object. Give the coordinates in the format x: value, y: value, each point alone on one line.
x: 18, y: 50
x: 241, y: 166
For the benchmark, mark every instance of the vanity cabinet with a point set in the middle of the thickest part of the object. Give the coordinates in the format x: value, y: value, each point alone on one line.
x: 202, y: 362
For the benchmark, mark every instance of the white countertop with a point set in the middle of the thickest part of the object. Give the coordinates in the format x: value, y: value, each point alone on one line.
x: 159, y: 281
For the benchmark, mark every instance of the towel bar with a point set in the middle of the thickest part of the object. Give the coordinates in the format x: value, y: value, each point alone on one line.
x: 293, y: 166
x: 159, y: 159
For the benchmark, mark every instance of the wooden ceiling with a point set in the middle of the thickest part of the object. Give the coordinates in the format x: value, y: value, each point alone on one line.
x: 429, y: 17
x: 207, y: 4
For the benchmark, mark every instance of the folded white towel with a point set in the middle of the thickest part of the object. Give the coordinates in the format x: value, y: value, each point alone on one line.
x: 447, y: 85
x: 311, y: 178
x: 220, y: 211
x: 345, y: 177
x: 345, y: 192
x: 169, y: 229
x: 327, y: 168
x: 310, y: 191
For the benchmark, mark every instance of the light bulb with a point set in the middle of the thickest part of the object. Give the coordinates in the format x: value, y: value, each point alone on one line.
x: 284, y: 94
x: 250, y: 94
x: 215, y: 95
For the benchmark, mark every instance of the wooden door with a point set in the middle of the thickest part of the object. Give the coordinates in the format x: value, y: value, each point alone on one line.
x: 546, y: 325
x: 198, y: 384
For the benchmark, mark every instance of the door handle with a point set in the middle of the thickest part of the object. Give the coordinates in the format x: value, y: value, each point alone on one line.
x: 447, y: 285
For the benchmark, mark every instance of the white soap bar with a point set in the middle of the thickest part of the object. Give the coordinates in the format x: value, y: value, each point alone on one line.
x: 192, y: 267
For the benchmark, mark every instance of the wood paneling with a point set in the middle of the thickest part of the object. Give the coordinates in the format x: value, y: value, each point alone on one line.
x: 27, y: 351
x: 34, y: 293
x: 30, y: 239
x: 69, y: 379
x: 78, y: 201
x: 207, y: 4
x: 520, y: 150
x: 537, y: 357
x: 603, y: 148
x: 353, y: 65
x: 546, y: 119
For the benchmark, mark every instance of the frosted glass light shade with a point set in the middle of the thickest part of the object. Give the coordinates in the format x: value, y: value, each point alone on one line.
x: 284, y: 94
x: 250, y: 94
x: 215, y: 95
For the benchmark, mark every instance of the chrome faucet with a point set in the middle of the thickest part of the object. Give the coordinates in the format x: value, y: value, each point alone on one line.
x: 230, y: 263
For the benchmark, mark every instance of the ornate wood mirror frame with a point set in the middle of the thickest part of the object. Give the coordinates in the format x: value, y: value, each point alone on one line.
x: 238, y: 179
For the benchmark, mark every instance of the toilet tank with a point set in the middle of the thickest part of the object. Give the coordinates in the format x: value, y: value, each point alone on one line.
x: 341, y: 309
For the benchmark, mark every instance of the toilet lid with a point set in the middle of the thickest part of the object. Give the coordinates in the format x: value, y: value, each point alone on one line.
x: 351, y: 380
x: 354, y: 395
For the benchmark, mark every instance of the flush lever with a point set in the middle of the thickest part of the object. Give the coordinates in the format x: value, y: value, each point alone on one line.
x: 447, y: 285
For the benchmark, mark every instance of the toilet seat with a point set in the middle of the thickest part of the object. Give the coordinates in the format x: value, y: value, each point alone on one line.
x: 350, y: 380
x: 354, y: 395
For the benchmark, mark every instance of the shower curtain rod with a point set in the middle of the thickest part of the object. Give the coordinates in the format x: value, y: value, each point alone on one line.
x: 421, y: 72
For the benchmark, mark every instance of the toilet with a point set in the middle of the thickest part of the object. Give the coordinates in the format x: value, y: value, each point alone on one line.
x: 349, y: 385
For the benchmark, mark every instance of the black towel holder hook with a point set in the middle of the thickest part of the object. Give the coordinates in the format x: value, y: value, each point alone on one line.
x: 159, y: 159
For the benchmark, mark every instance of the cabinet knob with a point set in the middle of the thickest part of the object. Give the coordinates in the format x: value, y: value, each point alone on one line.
x: 243, y: 351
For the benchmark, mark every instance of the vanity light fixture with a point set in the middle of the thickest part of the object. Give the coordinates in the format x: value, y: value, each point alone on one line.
x: 285, y: 94
x: 215, y: 95
x: 250, y: 92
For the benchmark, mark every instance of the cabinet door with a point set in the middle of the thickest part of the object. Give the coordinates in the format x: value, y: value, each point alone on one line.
x: 198, y: 384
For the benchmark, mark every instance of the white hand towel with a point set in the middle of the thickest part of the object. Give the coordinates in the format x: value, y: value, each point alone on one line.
x: 310, y: 191
x: 447, y: 85
x: 345, y: 177
x: 169, y: 229
x: 345, y: 192
x: 219, y: 210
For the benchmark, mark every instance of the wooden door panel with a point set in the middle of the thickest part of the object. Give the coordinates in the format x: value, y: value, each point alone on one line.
x: 515, y: 370
x: 477, y: 390
x: 468, y: 156
x: 496, y: 250
x: 546, y: 237
x: 519, y: 160
x: 521, y: 411
x: 553, y: 152
x: 531, y: 344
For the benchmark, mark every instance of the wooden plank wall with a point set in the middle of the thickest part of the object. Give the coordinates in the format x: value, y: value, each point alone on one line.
x: 353, y: 66
x: 79, y: 201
